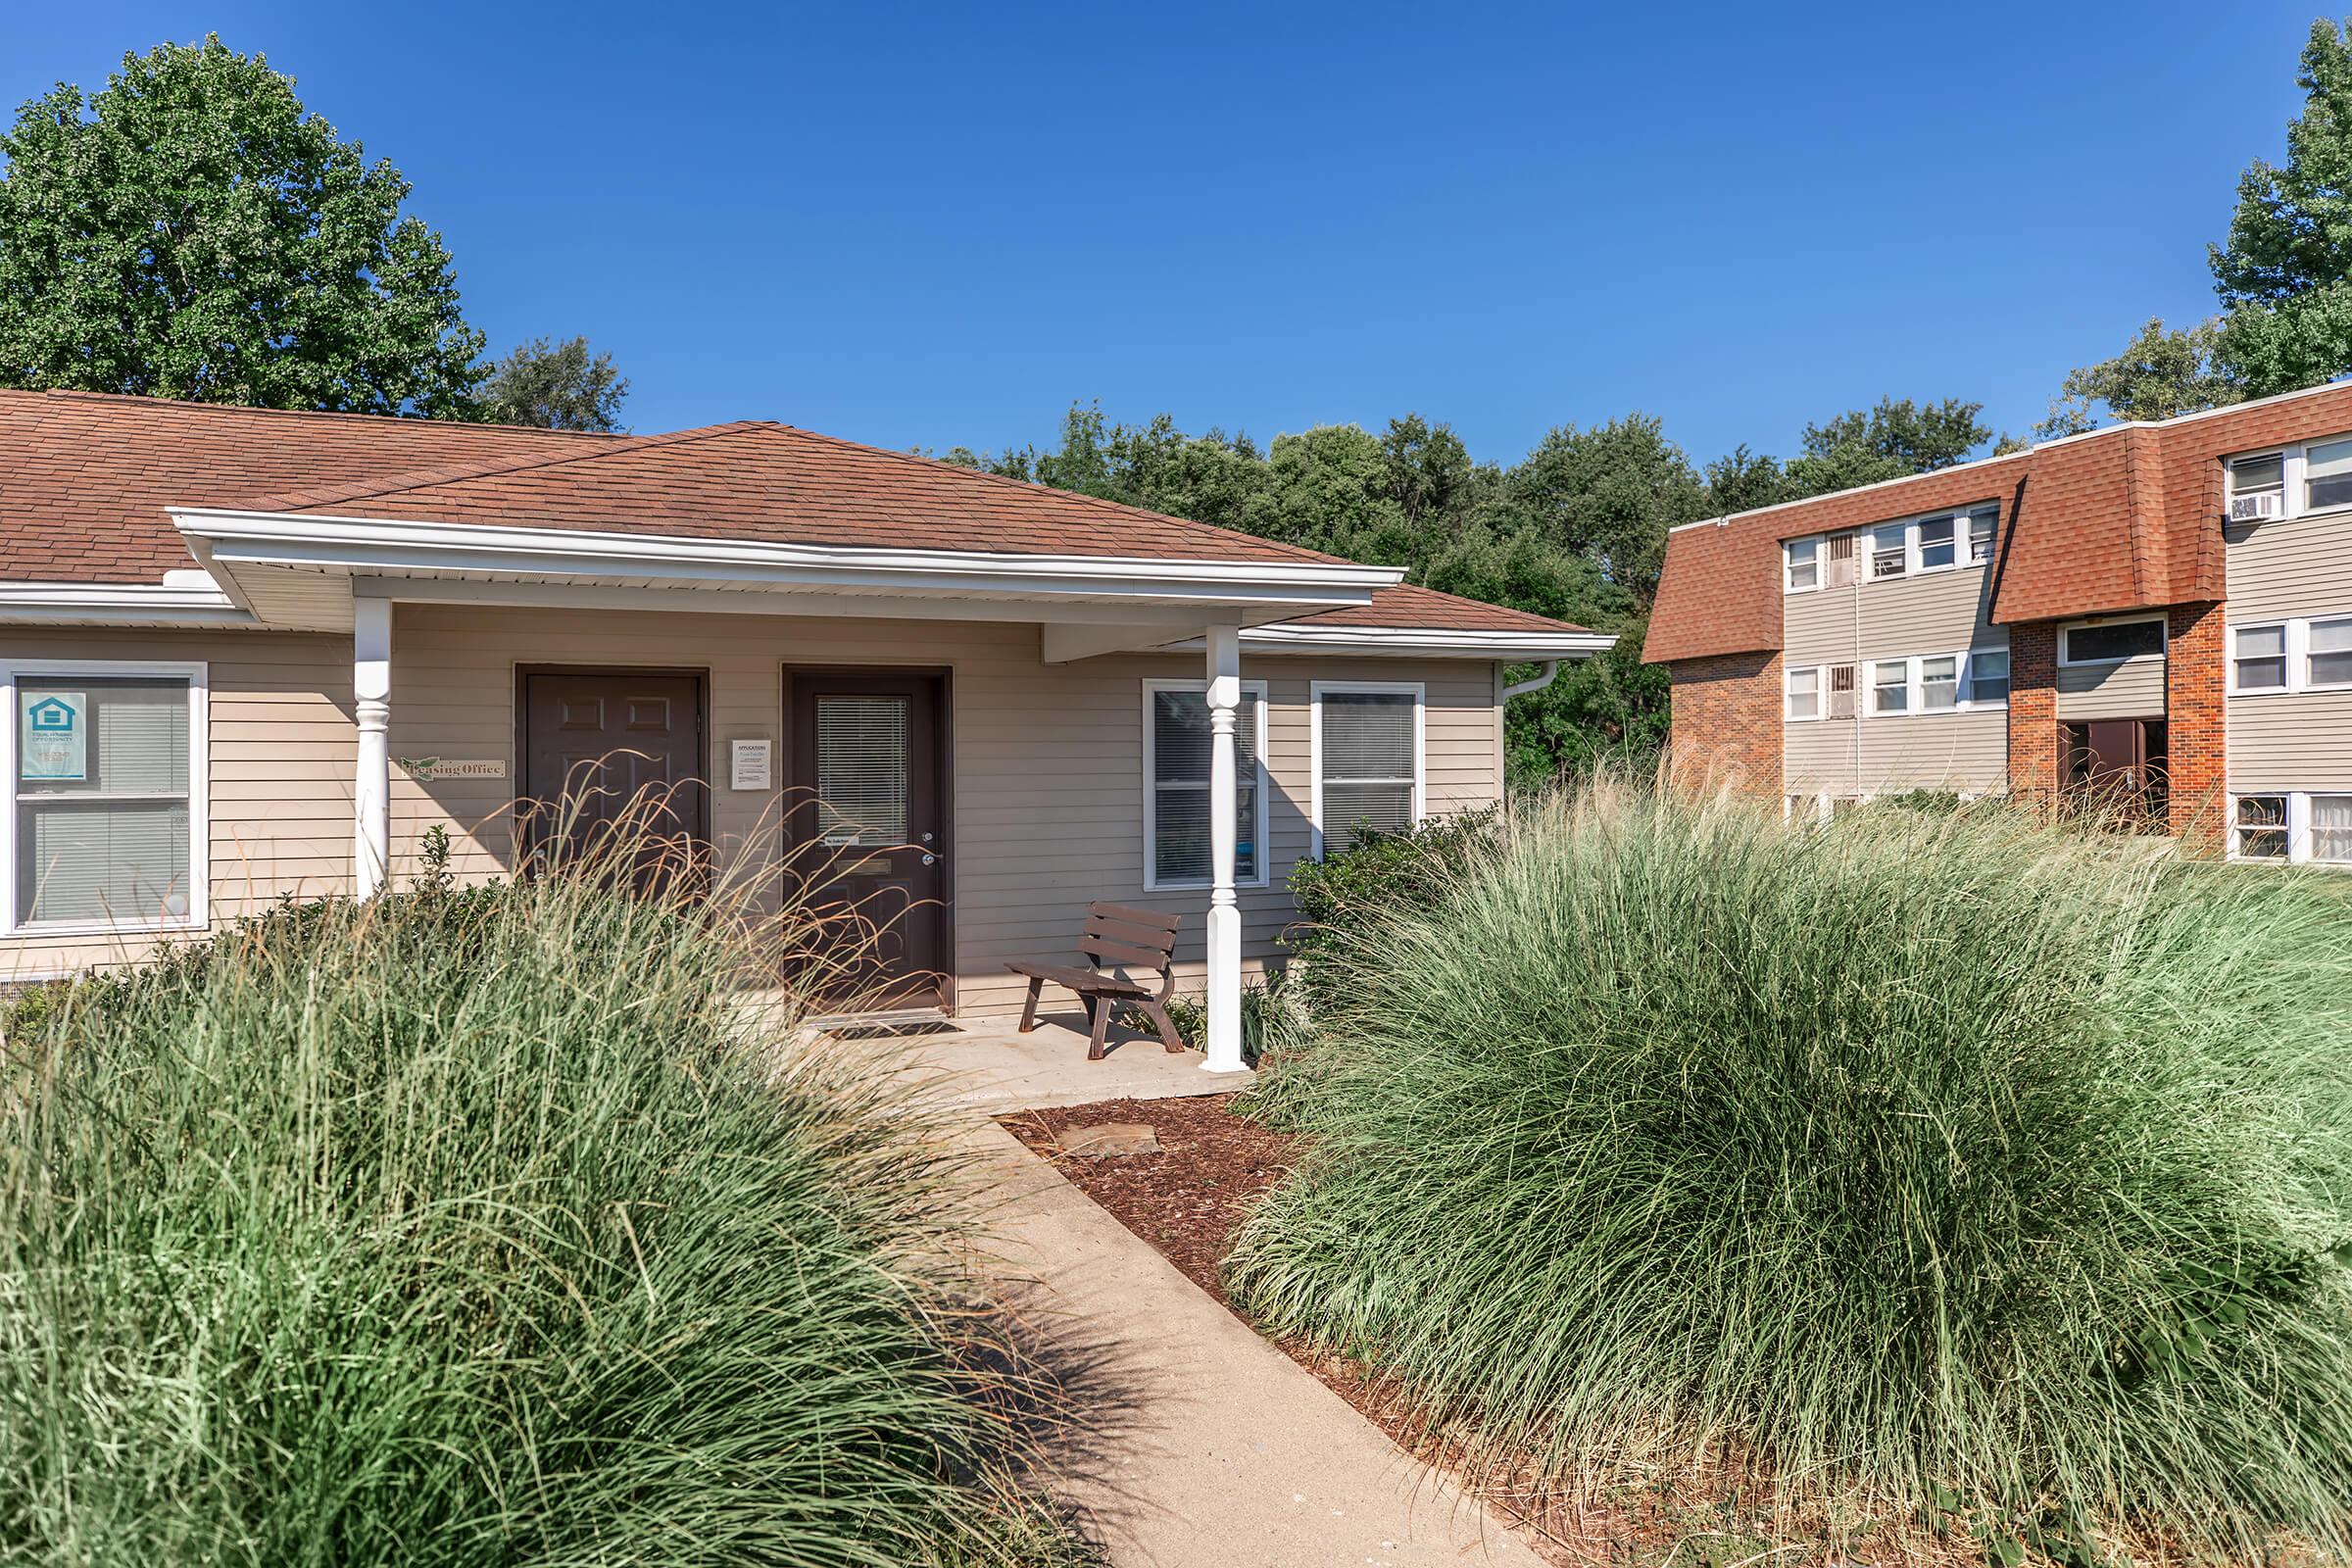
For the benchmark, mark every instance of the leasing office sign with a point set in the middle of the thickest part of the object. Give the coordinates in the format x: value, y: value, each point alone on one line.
x: 53, y: 736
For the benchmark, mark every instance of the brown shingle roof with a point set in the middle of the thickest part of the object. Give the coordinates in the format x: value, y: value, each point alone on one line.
x: 1405, y: 606
x: 2125, y: 519
x: 85, y: 478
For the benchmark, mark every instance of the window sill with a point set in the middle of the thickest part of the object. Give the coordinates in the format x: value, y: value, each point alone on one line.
x: 102, y: 928
x: 1205, y: 887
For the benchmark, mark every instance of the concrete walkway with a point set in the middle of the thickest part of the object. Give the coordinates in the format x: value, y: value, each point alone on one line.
x: 1198, y: 1442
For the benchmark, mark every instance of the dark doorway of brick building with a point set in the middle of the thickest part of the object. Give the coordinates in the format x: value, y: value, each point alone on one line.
x: 2118, y: 766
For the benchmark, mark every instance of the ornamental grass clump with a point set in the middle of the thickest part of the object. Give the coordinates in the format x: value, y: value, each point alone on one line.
x: 467, y: 1226
x: 1935, y: 1160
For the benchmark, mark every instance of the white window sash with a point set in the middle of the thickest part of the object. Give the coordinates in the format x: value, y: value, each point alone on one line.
x: 1262, y: 868
x: 2164, y: 642
x: 199, y: 794
x: 1419, y: 693
x: 2288, y: 642
x: 1970, y: 702
x: 1819, y: 694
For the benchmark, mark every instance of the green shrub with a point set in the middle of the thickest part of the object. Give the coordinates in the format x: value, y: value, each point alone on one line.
x: 1271, y: 1016
x: 1381, y: 875
x: 1932, y: 1158
x: 463, y: 1227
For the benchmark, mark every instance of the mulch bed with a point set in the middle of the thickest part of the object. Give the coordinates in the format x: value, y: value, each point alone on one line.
x: 1186, y: 1200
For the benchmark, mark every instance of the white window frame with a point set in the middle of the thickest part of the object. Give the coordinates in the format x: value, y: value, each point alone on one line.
x: 1821, y: 695
x: 1970, y: 702
x: 1963, y: 521
x: 200, y: 872
x: 1418, y: 691
x: 2295, y: 825
x: 2164, y: 641
x: 2298, y: 843
x: 1821, y: 565
x: 1264, y: 858
x: 1915, y: 687
x: 1992, y: 535
x: 2288, y: 643
x: 2294, y: 475
x: 2298, y: 656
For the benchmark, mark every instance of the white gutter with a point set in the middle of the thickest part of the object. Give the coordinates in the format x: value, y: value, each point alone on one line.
x: 89, y: 604
x: 1552, y: 672
x: 380, y: 545
x: 1516, y: 646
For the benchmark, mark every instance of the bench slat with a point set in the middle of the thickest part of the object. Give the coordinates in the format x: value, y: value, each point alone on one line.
x: 1150, y: 920
x: 1153, y: 958
x: 1135, y: 936
x: 1082, y: 981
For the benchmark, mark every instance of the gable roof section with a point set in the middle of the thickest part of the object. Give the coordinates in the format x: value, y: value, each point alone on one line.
x: 85, y: 481
x: 2125, y: 518
x: 753, y: 481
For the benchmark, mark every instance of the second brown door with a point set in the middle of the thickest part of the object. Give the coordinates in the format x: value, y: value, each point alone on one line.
x: 869, y: 826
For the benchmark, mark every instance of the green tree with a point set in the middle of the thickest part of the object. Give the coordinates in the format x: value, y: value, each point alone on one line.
x: 1742, y: 480
x: 1897, y: 438
x: 189, y: 232
x: 2160, y: 374
x: 562, y: 387
x: 1609, y: 494
x: 1328, y: 489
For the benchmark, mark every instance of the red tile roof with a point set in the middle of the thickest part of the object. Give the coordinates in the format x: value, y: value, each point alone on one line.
x: 2124, y: 518
x: 85, y: 478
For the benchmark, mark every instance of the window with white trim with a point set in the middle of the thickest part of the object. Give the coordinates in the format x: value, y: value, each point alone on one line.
x: 1889, y: 551
x: 1988, y: 677
x: 2331, y: 829
x: 1367, y: 761
x: 2258, y: 827
x: 1980, y: 525
x: 2258, y: 475
x: 1938, y: 542
x: 1803, y: 563
x: 2113, y: 642
x: 2328, y: 656
x: 105, y: 827
x: 2258, y: 658
x: 1176, y: 756
x: 1804, y: 694
x: 2327, y: 474
x: 1939, y: 683
x: 1890, y: 686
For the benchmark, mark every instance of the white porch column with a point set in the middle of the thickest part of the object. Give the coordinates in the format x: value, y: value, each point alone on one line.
x: 371, y: 787
x: 1224, y: 913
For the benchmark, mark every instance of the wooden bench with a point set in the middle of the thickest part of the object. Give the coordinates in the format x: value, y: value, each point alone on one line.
x: 1118, y: 939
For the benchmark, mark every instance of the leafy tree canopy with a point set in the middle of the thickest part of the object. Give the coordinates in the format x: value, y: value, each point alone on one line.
x: 562, y: 387
x: 190, y: 231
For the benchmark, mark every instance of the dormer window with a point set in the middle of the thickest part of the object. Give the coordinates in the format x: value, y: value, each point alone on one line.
x: 1803, y: 559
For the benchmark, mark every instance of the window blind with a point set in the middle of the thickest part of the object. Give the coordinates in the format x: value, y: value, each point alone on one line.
x: 1180, y: 756
x: 111, y: 845
x: 1367, y: 765
x: 862, y: 748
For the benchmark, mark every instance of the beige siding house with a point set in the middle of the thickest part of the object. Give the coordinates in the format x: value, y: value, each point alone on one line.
x: 1897, y: 679
x: 253, y: 655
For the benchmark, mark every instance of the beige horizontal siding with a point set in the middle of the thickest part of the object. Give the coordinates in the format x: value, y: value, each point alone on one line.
x: 1965, y: 752
x: 2132, y: 689
x: 2288, y: 570
x: 1048, y: 760
x: 1933, y: 612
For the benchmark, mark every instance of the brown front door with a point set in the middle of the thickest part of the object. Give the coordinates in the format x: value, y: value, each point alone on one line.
x: 2120, y: 764
x: 599, y: 743
x: 869, y: 826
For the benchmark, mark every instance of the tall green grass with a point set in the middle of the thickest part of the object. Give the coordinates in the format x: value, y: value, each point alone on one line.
x: 462, y: 1228
x: 1936, y: 1159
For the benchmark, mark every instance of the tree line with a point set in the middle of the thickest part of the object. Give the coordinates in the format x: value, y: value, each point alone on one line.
x: 191, y: 230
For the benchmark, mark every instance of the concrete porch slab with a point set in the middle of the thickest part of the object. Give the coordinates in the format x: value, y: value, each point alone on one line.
x: 989, y: 1067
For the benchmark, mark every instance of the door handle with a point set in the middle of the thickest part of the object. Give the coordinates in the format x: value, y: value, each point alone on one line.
x: 928, y: 858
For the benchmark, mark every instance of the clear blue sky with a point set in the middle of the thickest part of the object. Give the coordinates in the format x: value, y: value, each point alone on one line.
x: 931, y: 224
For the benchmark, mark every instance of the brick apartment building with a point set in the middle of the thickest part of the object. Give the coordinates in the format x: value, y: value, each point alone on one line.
x: 2160, y: 610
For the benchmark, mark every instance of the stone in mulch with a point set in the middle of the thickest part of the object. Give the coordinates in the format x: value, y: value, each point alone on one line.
x: 1111, y: 1139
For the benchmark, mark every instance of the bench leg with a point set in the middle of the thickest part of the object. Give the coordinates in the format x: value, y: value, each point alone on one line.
x: 1168, y: 1037
x: 1099, y: 1007
x: 1037, y: 986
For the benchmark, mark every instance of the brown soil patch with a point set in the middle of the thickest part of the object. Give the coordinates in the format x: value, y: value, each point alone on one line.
x: 1186, y: 1200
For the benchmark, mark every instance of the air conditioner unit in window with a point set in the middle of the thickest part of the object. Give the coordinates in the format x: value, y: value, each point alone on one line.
x: 2257, y: 507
